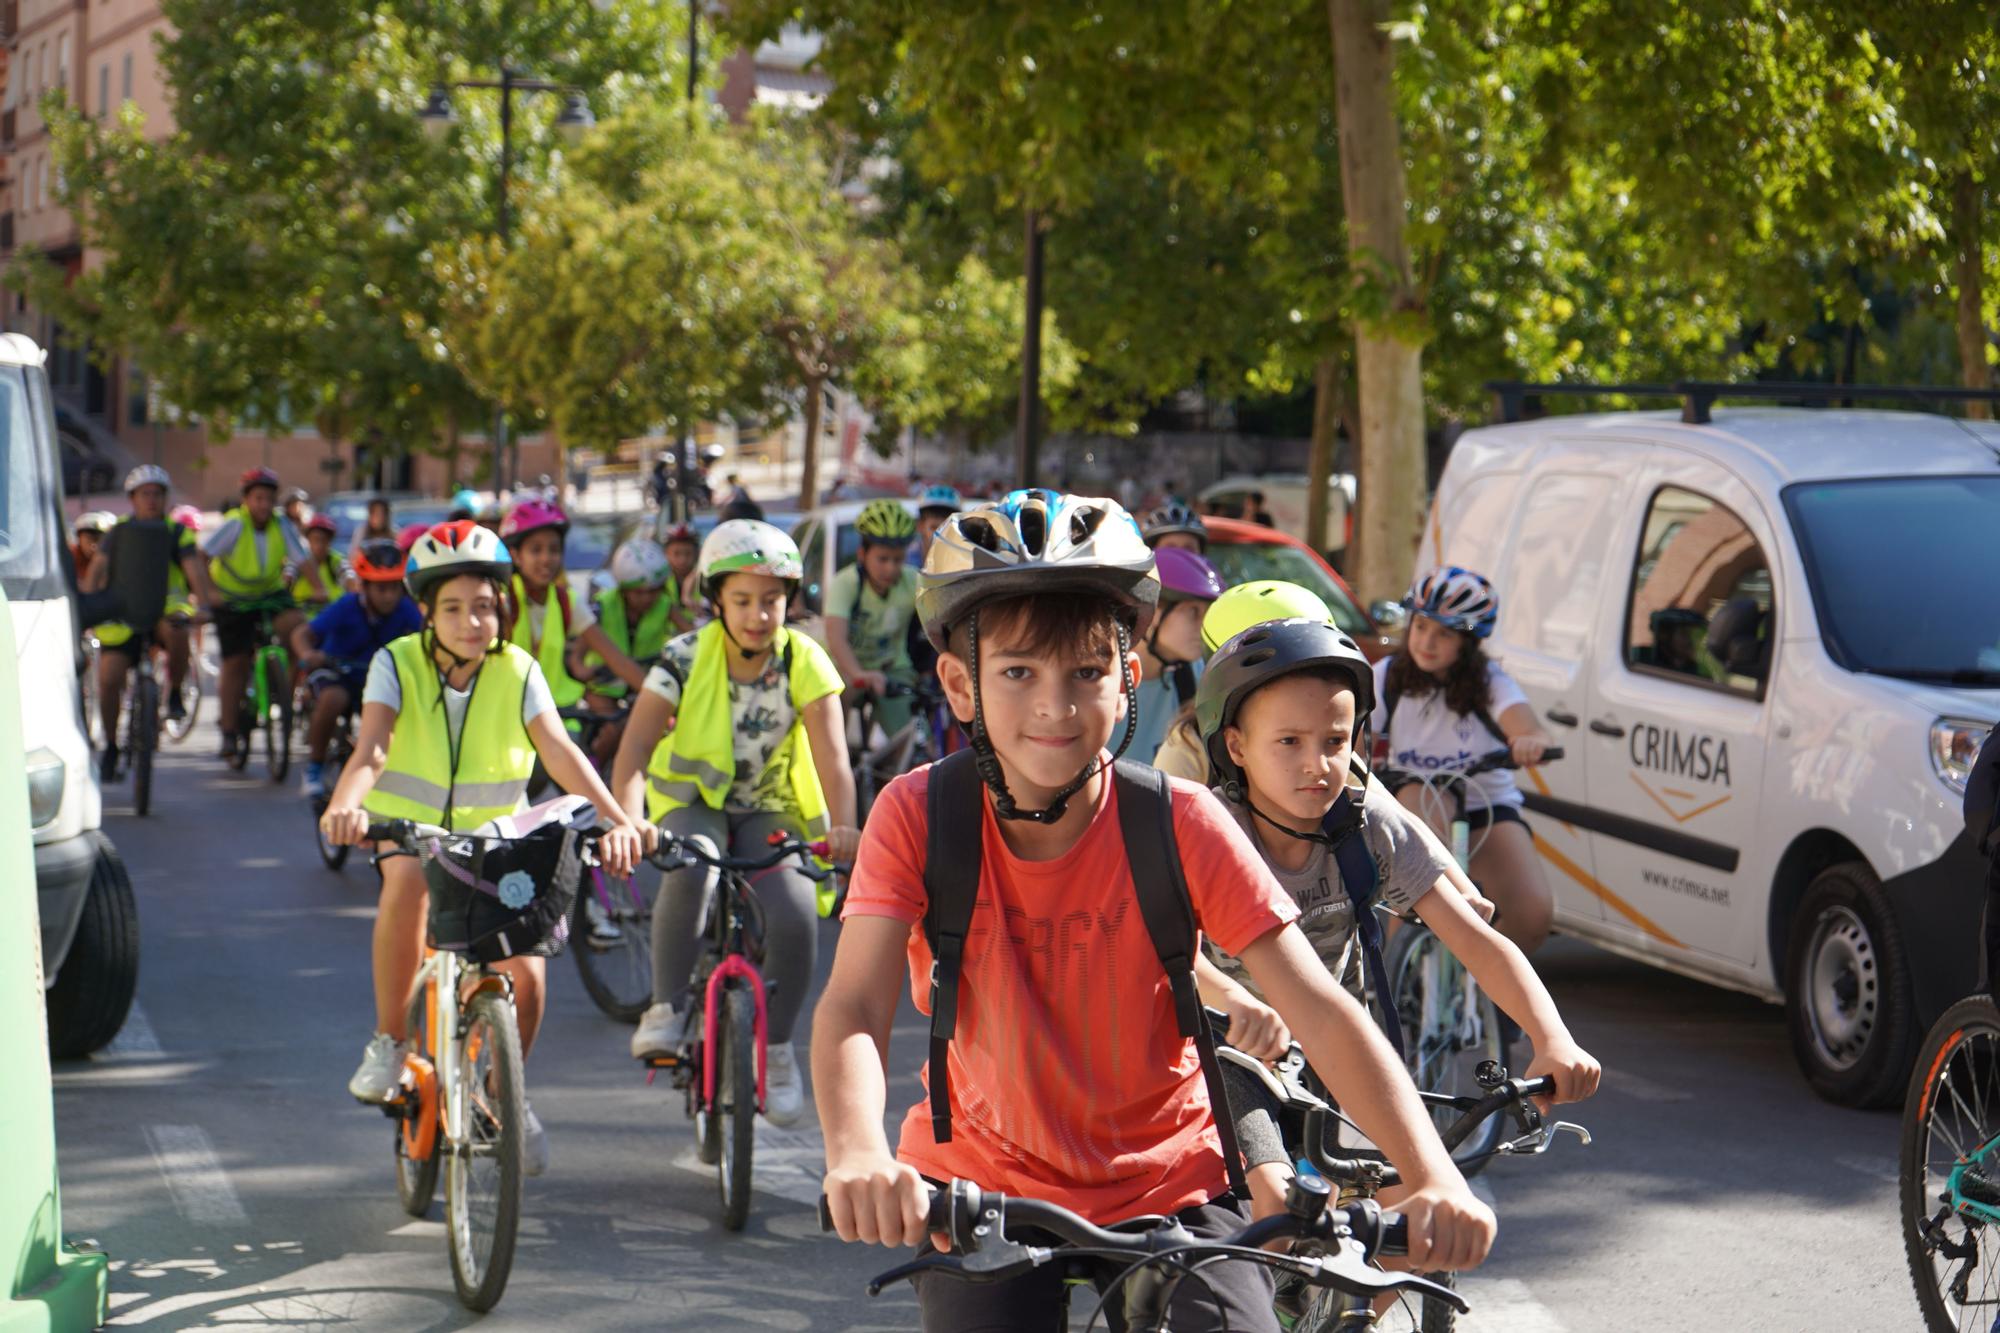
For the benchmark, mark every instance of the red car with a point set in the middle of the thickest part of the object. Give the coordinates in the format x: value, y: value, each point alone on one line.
x: 1242, y: 551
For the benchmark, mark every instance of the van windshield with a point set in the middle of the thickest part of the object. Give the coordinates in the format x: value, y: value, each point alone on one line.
x: 1899, y: 576
x: 29, y: 567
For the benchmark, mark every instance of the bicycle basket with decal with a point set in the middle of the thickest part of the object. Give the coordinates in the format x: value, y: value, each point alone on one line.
x: 491, y: 900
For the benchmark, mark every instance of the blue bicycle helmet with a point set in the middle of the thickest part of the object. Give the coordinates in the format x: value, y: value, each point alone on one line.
x: 1457, y: 599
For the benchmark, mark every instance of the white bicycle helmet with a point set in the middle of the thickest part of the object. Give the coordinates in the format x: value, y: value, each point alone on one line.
x: 1457, y: 598
x: 99, y: 521
x: 147, y: 474
x: 453, y: 549
x: 639, y: 563
x: 747, y: 546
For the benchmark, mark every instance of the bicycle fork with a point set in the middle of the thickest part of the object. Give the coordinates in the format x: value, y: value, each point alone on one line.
x: 736, y: 966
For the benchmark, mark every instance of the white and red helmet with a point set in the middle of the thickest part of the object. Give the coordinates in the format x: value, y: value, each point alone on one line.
x: 451, y: 550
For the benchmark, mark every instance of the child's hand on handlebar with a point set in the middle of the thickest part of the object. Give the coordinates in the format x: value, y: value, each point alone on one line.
x: 1574, y: 1069
x: 842, y: 842
x: 1528, y: 750
x: 1254, y: 1027
x: 344, y: 825
x: 620, y: 848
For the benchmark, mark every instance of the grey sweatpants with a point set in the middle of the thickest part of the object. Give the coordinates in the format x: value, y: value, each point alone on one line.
x: 791, y: 913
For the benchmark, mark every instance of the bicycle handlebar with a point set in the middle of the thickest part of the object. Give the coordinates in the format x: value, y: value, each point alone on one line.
x: 406, y: 833
x: 675, y: 853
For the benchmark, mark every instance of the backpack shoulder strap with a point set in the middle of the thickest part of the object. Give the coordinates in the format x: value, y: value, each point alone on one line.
x: 951, y: 891
x: 1361, y: 881
x: 1146, y: 818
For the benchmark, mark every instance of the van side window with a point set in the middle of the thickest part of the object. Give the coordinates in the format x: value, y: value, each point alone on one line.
x: 1701, y: 596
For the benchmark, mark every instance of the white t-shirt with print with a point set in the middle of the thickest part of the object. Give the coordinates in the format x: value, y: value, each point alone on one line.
x: 761, y: 716
x: 1425, y: 736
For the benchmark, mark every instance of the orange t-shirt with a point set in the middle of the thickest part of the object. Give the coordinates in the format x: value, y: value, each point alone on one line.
x: 1070, y: 1080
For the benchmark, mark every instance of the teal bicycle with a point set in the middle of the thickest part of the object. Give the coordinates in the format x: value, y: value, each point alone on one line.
x: 267, y: 695
x: 1950, y: 1169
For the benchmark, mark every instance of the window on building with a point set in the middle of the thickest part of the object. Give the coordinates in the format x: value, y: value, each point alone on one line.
x: 104, y: 89
x: 125, y: 79
x: 62, y: 61
x: 135, y: 394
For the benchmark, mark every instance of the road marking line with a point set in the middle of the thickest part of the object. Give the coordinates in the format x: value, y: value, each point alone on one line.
x: 1875, y: 1168
x: 200, y: 1186
x: 789, y: 1163
x: 135, y: 1041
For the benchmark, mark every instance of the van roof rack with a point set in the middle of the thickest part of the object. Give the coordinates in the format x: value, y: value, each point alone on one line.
x: 1514, y: 400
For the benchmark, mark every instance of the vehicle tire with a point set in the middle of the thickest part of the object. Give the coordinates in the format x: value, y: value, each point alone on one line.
x: 1445, y: 1059
x: 618, y: 975
x: 482, y: 1190
x: 1956, y: 1079
x: 278, y: 727
x: 417, y: 1178
x: 1847, y: 990
x: 735, y: 1111
x: 93, y: 991
x: 145, y: 739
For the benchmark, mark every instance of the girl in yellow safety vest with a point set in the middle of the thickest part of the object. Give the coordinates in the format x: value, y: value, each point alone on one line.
x: 756, y: 748
x: 321, y: 577
x: 452, y: 720
x: 546, y: 619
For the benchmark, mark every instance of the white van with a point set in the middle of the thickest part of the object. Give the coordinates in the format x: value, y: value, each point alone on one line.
x: 1769, y: 641
x: 89, y: 927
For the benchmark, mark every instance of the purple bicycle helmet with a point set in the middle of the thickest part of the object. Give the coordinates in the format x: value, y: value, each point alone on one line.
x: 1185, y: 576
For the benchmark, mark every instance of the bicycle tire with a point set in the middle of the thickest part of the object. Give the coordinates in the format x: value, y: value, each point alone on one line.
x: 416, y: 1178
x: 496, y: 1115
x: 617, y: 976
x: 337, y: 755
x: 278, y: 728
x: 736, y: 1101
x: 1445, y: 1067
x: 1962, y: 1046
x: 190, y: 697
x: 145, y: 739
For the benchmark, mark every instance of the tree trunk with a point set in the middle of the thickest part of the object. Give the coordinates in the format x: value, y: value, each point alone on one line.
x: 809, y: 455
x: 1965, y: 232
x: 1389, y: 378
x: 1319, y: 464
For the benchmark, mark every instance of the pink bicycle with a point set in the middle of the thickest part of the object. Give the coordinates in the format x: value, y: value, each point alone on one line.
x: 721, y: 1064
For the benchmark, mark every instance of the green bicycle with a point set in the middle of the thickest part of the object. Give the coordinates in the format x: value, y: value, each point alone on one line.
x: 267, y: 695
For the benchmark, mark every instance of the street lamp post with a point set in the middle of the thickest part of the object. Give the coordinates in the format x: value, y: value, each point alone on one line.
x: 438, y: 117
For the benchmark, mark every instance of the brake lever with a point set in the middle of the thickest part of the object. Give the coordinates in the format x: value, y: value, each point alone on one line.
x: 1346, y: 1271
x: 989, y: 1263
x: 1541, y: 1139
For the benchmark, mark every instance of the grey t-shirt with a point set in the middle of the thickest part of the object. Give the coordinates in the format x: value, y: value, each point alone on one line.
x: 1408, y: 862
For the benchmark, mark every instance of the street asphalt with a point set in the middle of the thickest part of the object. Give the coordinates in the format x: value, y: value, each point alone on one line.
x: 213, y: 1152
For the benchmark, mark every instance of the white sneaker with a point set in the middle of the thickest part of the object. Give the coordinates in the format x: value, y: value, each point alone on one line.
x: 381, y: 1070
x: 784, y: 1093
x: 658, y: 1034
x: 535, y: 1143
x: 603, y: 930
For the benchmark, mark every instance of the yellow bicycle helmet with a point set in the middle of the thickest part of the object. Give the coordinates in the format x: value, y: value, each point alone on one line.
x: 1249, y: 604
x: 886, y: 522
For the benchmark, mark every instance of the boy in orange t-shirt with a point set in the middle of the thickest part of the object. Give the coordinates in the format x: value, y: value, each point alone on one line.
x: 1068, y: 1077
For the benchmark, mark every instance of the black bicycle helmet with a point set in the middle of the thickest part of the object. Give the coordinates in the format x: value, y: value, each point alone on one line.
x: 1258, y: 656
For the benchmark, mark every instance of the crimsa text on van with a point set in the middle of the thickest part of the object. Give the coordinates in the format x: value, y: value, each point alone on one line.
x: 1665, y: 750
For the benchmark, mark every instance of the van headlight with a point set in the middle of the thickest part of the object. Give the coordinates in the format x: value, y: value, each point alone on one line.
x: 46, y: 778
x: 1955, y: 745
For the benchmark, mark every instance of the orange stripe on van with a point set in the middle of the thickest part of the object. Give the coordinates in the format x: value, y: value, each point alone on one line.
x: 1610, y: 899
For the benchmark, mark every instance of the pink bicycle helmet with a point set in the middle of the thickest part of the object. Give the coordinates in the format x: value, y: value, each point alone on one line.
x: 532, y: 516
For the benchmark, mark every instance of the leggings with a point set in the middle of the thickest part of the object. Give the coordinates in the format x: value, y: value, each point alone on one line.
x: 791, y: 913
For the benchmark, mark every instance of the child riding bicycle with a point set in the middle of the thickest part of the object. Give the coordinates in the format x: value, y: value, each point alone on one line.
x: 1071, y: 1063
x: 1279, y: 709
x: 545, y: 619
x: 869, y: 608
x: 756, y: 749
x: 452, y: 720
x: 321, y: 577
x: 339, y: 643
x: 249, y: 552
x: 635, y: 613
x: 1440, y: 704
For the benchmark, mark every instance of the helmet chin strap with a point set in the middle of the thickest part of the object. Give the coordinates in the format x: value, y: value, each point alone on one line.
x: 988, y: 761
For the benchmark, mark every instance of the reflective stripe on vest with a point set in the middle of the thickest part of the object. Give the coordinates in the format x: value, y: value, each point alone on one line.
x: 495, y: 756
x: 549, y: 652
x: 687, y: 764
x: 251, y: 570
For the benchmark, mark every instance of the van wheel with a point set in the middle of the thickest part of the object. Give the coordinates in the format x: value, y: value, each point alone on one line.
x: 1847, y: 990
x: 93, y: 992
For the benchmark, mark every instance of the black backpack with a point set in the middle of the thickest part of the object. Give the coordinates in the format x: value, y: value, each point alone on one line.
x: 951, y: 881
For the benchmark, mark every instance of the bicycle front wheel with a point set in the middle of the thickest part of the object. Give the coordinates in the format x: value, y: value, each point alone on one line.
x: 611, y: 934
x: 278, y: 721
x: 482, y: 1184
x: 336, y: 761
x: 145, y: 739
x: 735, y: 1110
x: 1950, y: 1171
x: 1450, y: 1027
x: 177, y: 728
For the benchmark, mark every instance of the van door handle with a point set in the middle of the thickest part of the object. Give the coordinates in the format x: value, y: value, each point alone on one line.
x: 1605, y: 728
x: 1560, y: 718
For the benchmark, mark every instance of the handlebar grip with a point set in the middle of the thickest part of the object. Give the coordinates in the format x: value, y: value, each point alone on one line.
x: 938, y: 1219
x: 1395, y: 1236
x: 825, y: 1214
x: 1553, y: 753
x: 387, y: 830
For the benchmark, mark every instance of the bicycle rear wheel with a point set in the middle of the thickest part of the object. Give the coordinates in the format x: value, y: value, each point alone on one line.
x: 482, y: 1183
x: 616, y: 970
x: 278, y: 722
x: 145, y: 738
x: 735, y: 1110
x: 1950, y: 1170
x: 1444, y: 1043
x: 417, y: 1153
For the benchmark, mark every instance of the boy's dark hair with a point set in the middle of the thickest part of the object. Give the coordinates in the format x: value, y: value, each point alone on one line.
x: 1467, y: 691
x: 1045, y: 624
